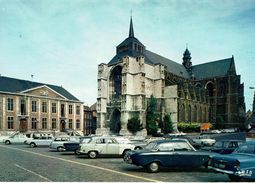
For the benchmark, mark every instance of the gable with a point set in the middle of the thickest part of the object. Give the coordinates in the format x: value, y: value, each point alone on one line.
x: 43, y: 91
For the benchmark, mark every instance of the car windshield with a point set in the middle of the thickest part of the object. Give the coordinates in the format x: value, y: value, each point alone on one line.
x: 246, y: 148
x: 85, y: 140
x: 151, y: 145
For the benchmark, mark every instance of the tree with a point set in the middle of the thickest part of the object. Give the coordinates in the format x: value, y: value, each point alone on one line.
x: 151, y: 116
x: 134, y: 125
x: 168, y: 124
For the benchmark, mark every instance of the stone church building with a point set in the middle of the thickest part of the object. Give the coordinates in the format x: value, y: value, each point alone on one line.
x: 209, y: 92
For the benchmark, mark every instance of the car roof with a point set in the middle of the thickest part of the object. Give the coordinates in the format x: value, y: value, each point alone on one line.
x: 169, y: 140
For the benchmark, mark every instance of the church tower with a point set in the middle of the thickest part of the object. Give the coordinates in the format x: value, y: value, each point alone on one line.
x: 187, y: 59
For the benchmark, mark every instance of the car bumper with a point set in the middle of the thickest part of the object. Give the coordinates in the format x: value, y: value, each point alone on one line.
x: 239, y: 173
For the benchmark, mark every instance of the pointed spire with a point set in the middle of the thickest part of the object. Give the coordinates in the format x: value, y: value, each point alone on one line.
x: 131, y: 30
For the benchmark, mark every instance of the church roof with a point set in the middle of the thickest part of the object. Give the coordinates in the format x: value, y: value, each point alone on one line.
x: 172, y: 67
x: 13, y: 85
x: 212, y: 69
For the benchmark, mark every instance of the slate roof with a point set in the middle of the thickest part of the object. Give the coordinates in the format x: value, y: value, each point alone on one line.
x: 212, y: 69
x: 17, y: 85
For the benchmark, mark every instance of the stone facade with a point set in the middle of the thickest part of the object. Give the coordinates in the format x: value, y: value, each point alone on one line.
x: 209, y: 92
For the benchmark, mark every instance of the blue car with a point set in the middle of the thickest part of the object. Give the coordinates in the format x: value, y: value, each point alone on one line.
x: 178, y: 153
x: 238, y: 165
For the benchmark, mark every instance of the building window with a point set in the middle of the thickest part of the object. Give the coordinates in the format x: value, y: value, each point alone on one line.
x: 54, y: 123
x: 44, y: 106
x: 70, y: 109
x: 62, y: 110
x: 33, y: 106
x: 10, y: 104
x: 10, y: 122
x: 54, y: 108
x: 44, y: 123
x: 70, y: 124
x: 78, y: 124
x: 78, y: 108
x: 34, y: 124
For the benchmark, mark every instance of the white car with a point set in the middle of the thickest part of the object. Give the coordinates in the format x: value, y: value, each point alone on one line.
x: 18, y: 138
x: 104, y: 145
x: 40, y: 142
x: 204, y: 140
x: 58, y: 142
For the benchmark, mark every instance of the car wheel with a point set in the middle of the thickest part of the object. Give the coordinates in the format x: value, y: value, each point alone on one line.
x: 92, y: 154
x: 234, y: 178
x: 153, y: 167
x: 60, y: 149
x: 32, y: 145
x: 124, y: 152
x: 7, y: 142
x: 138, y: 148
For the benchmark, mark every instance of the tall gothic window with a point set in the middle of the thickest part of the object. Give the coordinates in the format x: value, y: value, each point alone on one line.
x: 209, y: 88
x: 221, y: 91
x: 116, y: 82
x: 195, y: 114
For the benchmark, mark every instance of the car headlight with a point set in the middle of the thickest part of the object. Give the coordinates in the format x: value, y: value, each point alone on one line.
x: 237, y: 166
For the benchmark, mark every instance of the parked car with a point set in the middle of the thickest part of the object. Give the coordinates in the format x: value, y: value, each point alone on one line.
x: 190, y: 140
x: 42, y: 141
x: 104, y: 146
x: 17, y: 138
x: 237, y: 165
x: 74, y: 146
x: 58, y: 142
x: 224, y: 146
x: 204, y: 140
x: 177, y: 153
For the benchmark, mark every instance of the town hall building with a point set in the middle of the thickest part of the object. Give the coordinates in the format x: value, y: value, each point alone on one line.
x: 208, y: 92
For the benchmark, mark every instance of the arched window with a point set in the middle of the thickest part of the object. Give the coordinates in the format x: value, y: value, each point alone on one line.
x: 221, y: 91
x: 116, y: 82
x: 209, y: 88
x: 200, y: 115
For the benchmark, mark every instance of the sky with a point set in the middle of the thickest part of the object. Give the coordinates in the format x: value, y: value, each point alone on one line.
x: 62, y: 42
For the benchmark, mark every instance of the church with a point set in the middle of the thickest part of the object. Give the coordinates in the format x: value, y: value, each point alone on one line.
x: 208, y: 92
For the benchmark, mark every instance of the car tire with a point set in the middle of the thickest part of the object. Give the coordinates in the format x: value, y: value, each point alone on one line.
x: 153, y: 167
x: 60, y: 149
x: 32, y: 145
x: 234, y: 178
x: 92, y: 154
x: 125, y: 152
x: 138, y: 148
x: 7, y: 142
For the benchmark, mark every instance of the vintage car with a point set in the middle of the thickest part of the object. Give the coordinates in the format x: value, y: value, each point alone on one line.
x: 237, y: 165
x: 74, y: 146
x: 204, y: 140
x: 177, y: 153
x: 17, y: 138
x: 58, y: 142
x: 224, y: 146
x: 42, y: 141
x: 104, y: 146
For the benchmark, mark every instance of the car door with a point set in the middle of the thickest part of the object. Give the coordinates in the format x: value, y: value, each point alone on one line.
x: 100, y: 146
x: 112, y: 146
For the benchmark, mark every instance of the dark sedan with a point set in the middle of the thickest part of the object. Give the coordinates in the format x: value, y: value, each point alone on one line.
x: 73, y: 146
x: 224, y: 146
x: 237, y: 165
x: 177, y: 153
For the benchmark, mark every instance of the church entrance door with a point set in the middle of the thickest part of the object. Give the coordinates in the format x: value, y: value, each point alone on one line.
x: 115, y: 124
x: 62, y: 125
